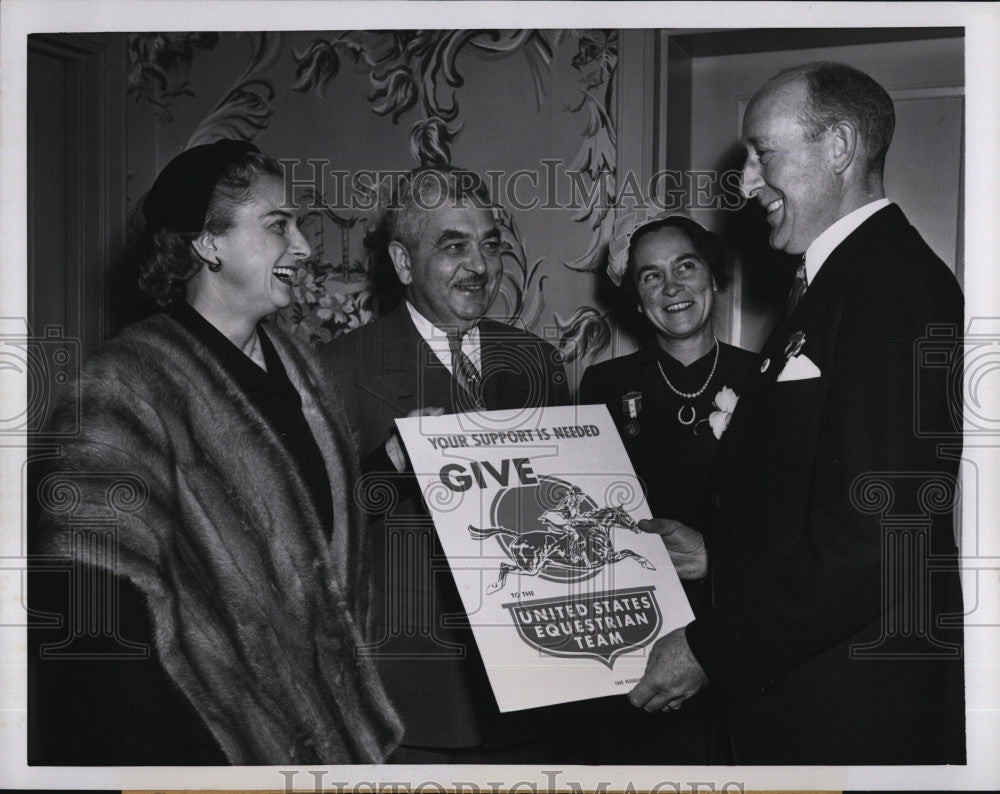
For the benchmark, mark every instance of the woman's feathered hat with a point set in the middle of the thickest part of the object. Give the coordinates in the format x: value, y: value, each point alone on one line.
x: 625, y: 228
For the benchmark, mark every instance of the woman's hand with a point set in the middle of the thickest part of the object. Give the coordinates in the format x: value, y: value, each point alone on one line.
x: 685, y: 545
x: 394, y: 446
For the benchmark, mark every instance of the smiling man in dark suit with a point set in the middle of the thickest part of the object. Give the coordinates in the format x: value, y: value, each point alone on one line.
x: 836, y: 628
x: 437, y: 350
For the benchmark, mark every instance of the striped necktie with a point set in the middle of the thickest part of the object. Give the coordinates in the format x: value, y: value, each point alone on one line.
x: 798, y: 288
x: 466, y: 375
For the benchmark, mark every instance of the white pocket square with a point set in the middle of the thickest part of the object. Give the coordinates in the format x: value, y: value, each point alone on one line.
x: 799, y: 367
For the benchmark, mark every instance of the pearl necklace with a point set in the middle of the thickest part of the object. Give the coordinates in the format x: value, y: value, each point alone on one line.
x: 691, y: 395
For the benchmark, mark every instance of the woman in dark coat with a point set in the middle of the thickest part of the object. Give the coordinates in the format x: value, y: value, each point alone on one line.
x: 209, y: 494
x: 671, y: 400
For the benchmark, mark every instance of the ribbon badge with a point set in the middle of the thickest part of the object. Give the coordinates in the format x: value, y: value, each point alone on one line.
x: 631, y: 407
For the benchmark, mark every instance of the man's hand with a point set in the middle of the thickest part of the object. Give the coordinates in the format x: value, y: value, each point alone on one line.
x: 394, y: 446
x: 672, y: 675
x: 685, y: 545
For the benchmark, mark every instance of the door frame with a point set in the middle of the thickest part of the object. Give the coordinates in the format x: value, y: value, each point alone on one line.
x: 94, y: 185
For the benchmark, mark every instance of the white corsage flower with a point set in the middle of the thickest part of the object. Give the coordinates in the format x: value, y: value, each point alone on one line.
x: 725, y: 401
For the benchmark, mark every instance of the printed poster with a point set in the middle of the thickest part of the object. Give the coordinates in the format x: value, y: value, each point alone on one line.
x: 537, y: 512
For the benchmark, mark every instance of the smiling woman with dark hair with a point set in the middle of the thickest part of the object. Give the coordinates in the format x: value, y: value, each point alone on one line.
x: 671, y: 400
x: 241, y: 559
x: 672, y: 397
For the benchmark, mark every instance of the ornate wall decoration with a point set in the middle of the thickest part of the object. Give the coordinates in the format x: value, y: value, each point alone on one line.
x: 597, y: 59
x: 584, y: 335
x: 520, y: 286
x: 430, y: 141
x: 245, y: 109
x: 332, y: 292
x: 159, y: 65
x: 320, y: 313
x: 411, y: 66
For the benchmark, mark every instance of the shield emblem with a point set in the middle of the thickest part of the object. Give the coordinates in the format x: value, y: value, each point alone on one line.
x: 601, y: 625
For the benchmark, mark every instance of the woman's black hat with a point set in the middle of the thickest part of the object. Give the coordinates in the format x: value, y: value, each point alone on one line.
x: 181, y: 194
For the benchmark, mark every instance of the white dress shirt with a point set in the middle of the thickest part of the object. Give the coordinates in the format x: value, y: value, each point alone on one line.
x: 437, y: 340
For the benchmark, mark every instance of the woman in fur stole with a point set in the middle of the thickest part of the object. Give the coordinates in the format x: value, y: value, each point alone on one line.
x: 217, y: 464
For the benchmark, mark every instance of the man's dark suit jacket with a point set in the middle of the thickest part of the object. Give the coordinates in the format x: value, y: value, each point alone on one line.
x: 832, y: 547
x: 427, y: 655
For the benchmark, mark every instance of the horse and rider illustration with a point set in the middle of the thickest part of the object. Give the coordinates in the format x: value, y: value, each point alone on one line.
x: 571, y: 537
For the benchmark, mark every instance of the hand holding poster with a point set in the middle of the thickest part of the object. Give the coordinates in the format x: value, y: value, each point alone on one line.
x: 538, y: 518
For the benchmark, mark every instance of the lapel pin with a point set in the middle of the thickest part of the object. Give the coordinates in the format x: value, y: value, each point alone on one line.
x: 795, y: 343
